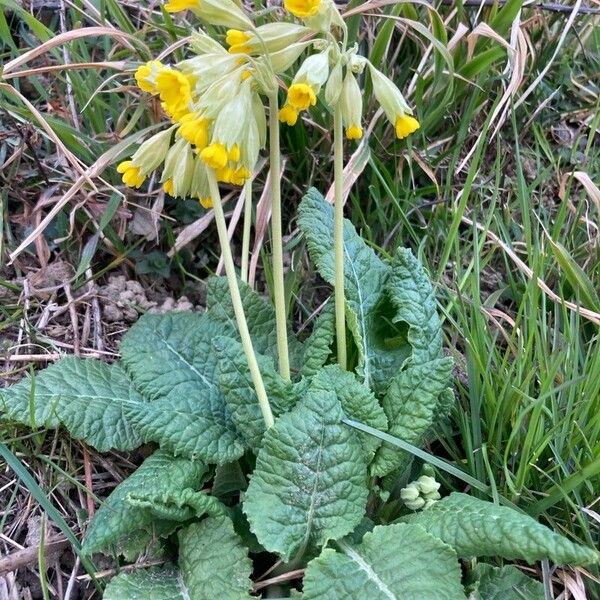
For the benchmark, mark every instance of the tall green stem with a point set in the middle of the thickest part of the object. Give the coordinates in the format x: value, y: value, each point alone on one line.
x: 340, y: 302
x: 247, y: 228
x: 275, y: 165
x: 238, y: 307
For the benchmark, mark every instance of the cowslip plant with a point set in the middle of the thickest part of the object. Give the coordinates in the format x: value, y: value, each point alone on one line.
x: 261, y: 482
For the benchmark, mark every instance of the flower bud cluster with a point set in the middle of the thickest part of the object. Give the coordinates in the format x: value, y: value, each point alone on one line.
x: 422, y: 493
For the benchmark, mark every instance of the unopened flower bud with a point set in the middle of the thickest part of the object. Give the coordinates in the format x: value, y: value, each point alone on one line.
x: 215, y: 12
x: 410, y: 492
x: 427, y: 484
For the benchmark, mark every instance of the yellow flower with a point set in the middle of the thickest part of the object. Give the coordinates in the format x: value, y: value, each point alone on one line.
x: 301, y: 96
x: 237, y: 40
x: 302, y: 8
x: 131, y: 174
x: 288, y: 114
x: 405, y: 125
x: 215, y: 156
x: 214, y: 12
x: 194, y: 129
x: 354, y: 132
x: 173, y: 6
x: 206, y: 202
x: 146, y: 74
x: 168, y: 187
x: 175, y: 90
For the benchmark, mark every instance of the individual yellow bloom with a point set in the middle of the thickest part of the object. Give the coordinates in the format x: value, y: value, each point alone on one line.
x: 215, y: 12
x: 175, y: 90
x: 146, y: 74
x: 194, y: 129
x: 234, y: 153
x: 239, y: 176
x: 215, y: 156
x: 301, y: 96
x: 302, y: 8
x: 237, y: 40
x: 354, y: 132
x: 206, y: 202
x: 131, y: 174
x: 173, y: 6
x: 224, y: 175
x: 405, y: 125
x: 246, y: 74
x: 288, y: 114
x: 168, y: 187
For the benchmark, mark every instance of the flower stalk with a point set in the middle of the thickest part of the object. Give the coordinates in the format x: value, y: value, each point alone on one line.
x: 247, y: 230
x: 278, y: 282
x: 340, y: 300
x: 238, y: 307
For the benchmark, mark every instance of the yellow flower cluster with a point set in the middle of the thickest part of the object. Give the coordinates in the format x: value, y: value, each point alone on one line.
x: 213, y: 102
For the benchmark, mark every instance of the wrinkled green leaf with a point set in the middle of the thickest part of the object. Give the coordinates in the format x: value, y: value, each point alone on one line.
x: 213, y: 561
x: 309, y: 484
x: 260, y: 315
x: 358, y: 402
x: 212, y: 564
x: 238, y: 389
x: 129, y: 528
x: 412, y: 295
x: 317, y: 348
x: 411, y: 406
x: 382, y: 349
x: 393, y: 562
x: 474, y: 527
x: 90, y: 398
x: 163, y: 583
x: 507, y: 583
x: 171, y: 359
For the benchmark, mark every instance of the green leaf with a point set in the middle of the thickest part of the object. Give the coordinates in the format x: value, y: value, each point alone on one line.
x: 212, y: 564
x: 382, y: 350
x: 507, y: 583
x: 474, y: 527
x: 177, y: 505
x: 317, y: 348
x: 171, y: 359
x: 213, y: 561
x: 410, y: 406
x: 238, y: 389
x: 88, y: 397
x: 162, y: 583
x: 129, y: 528
x: 358, y: 402
x: 260, y: 316
x: 412, y: 295
x: 309, y: 484
x: 399, y: 561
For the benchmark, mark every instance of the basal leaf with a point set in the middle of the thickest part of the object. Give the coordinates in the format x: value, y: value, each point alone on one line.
x: 317, y: 348
x: 171, y: 359
x: 412, y: 295
x: 358, y: 402
x: 89, y: 397
x: 309, y: 484
x: 213, y: 561
x: 381, y: 348
x: 474, y: 527
x: 155, y: 583
x: 128, y: 528
x: 393, y: 562
x: 212, y: 564
x: 411, y: 405
x: 260, y: 315
x: 177, y: 505
x: 238, y: 389
x: 506, y: 583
